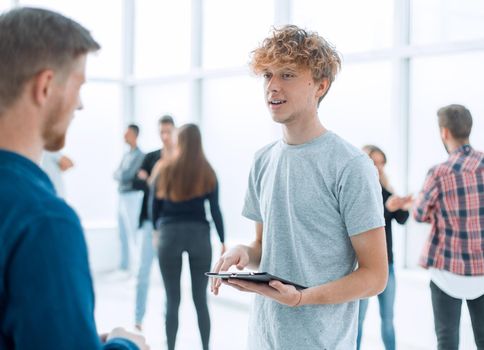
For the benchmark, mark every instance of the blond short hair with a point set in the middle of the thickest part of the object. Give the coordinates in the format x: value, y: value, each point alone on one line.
x: 293, y: 47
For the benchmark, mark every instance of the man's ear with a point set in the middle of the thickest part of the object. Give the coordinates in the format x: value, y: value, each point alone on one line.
x: 323, y: 87
x: 42, y: 85
x: 444, y: 133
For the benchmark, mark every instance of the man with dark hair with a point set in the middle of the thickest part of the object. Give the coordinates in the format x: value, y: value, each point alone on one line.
x: 458, y: 120
x: 452, y: 201
x: 166, y: 128
x: 129, y: 197
x: 134, y: 128
x: 166, y: 119
x: 46, y: 293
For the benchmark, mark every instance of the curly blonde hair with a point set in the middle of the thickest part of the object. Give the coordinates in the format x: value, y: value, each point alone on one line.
x: 293, y: 47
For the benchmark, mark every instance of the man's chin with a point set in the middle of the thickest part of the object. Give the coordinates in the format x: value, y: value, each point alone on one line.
x: 55, y: 145
x: 281, y: 120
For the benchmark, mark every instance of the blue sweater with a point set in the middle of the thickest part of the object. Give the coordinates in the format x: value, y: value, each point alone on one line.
x: 46, y: 293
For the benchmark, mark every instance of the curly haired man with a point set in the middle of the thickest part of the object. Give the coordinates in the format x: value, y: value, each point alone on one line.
x: 316, y: 203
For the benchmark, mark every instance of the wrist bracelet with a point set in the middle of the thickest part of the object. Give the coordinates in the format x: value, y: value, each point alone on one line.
x: 300, y: 298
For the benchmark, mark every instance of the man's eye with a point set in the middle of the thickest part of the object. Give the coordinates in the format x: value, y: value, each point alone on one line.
x: 287, y: 75
x: 266, y: 75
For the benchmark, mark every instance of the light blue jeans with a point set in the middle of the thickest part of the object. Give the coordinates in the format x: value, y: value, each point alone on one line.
x: 386, y: 299
x: 129, y: 206
x: 144, y: 272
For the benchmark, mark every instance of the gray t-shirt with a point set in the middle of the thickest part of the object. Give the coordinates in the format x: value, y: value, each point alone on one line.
x: 311, y: 199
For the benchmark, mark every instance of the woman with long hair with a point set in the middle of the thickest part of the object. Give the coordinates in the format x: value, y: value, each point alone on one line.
x: 395, y: 207
x: 183, y: 184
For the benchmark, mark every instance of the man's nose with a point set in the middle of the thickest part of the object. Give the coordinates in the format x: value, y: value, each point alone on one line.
x: 273, y: 84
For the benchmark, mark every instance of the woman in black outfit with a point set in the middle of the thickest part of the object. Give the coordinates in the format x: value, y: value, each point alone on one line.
x: 183, y: 184
x: 395, y: 208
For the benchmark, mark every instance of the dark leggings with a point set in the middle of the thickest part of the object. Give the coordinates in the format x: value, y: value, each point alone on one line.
x: 193, y: 238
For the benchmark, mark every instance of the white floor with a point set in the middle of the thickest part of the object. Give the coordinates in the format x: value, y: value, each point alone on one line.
x: 115, y: 297
x: 229, y: 314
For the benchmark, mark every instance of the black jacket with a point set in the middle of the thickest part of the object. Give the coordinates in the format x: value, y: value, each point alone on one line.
x: 400, y: 215
x: 148, y: 164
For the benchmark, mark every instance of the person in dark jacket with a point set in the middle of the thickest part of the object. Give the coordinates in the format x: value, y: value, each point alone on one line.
x: 395, y: 208
x: 46, y: 292
x: 142, y: 182
x: 183, y: 185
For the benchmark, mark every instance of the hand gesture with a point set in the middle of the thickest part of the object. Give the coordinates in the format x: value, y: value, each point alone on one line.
x: 142, y: 174
x: 65, y: 163
x: 395, y: 203
x: 237, y: 256
x: 407, y: 202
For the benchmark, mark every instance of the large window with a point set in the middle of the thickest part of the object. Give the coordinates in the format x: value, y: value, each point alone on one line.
x: 153, y: 101
x: 351, y: 26
x: 359, y: 105
x: 232, y: 29
x: 94, y: 143
x: 162, y: 38
x: 442, y: 21
x: 106, y: 29
x: 235, y: 125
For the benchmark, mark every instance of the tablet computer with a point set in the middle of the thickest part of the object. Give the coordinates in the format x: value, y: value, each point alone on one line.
x: 261, y: 277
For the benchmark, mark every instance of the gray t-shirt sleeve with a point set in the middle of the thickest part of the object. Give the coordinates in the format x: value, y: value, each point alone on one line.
x: 251, y: 208
x: 360, y: 196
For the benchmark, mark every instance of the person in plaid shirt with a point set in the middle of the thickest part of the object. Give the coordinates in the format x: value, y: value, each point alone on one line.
x: 452, y: 201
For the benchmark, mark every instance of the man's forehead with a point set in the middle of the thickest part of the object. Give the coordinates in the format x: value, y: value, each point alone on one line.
x: 166, y: 127
x: 285, y: 68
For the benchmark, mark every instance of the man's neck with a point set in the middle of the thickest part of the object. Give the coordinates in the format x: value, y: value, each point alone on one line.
x: 167, y: 151
x: 19, y: 135
x: 453, y: 145
x: 302, y: 131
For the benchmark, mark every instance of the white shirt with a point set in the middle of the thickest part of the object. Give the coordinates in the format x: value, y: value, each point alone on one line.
x: 50, y: 164
x: 458, y: 286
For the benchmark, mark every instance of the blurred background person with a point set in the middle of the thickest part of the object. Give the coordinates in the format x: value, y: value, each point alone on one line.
x: 166, y: 128
x: 183, y: 185
x: 129, y: 203
x: 395, y: 208
x: 54, y: 164
x: 452, y: 201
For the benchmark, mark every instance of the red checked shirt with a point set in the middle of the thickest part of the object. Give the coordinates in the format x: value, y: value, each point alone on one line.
x: 452, y: 200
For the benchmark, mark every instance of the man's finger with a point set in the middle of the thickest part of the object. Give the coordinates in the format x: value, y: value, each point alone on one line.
x: 215, y: 284
x: 226, y: 264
